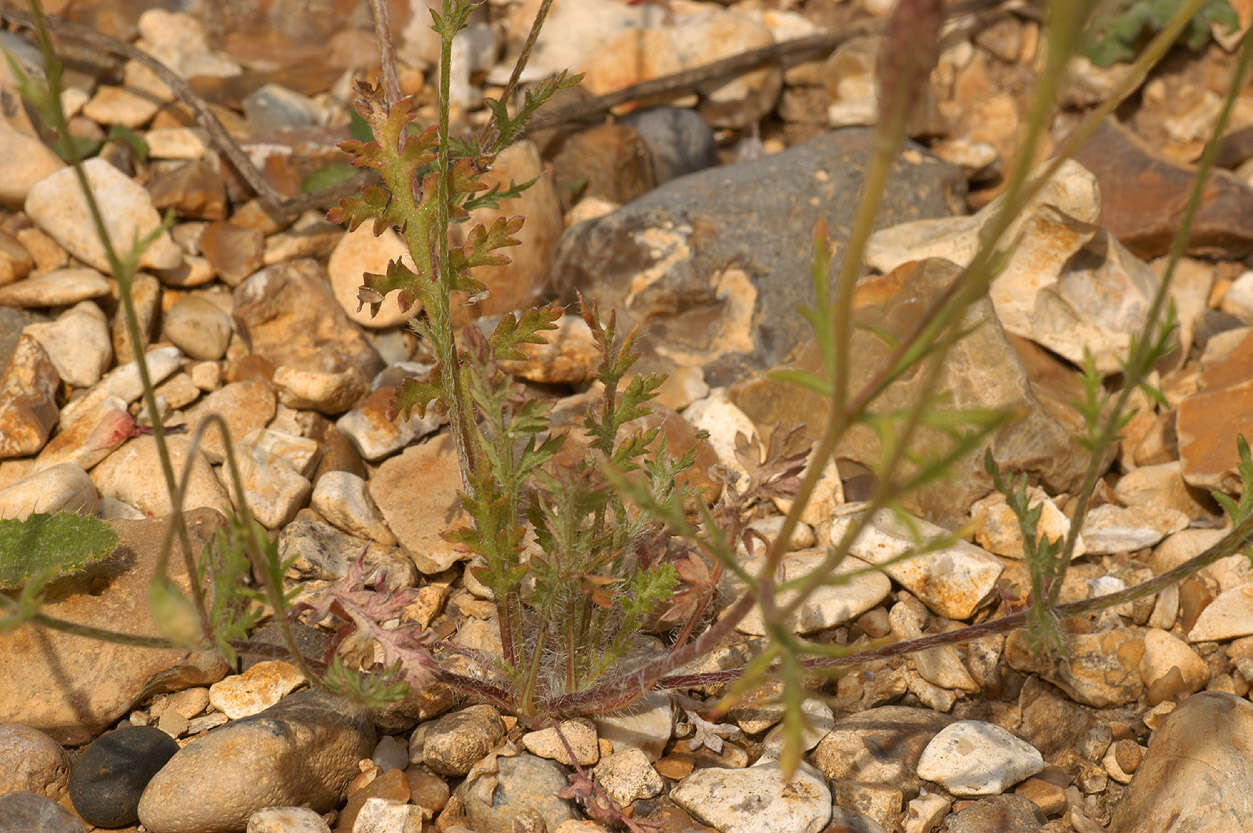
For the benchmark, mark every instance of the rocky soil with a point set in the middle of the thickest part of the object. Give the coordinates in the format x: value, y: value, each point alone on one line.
x: 693, y: 217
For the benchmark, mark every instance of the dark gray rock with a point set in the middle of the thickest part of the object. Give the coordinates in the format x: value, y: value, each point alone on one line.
x: 712, y: 266
x: 1002, y: 813
x: 680, y: 140
x: 107, y: 780
x: 23, y: 812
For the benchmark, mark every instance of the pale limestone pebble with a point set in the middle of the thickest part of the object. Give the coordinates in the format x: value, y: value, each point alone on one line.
x: 1158, y: 486
x: 1164, y: 652
x: 1229, y: 572
x: 330, y: 391
x: 123, y: 382
x: 255, y: 690
x: 924, y: 813
x: 997, y: 529
x: 310, y: 236
x: 819, y: 721
x: 757, y: 799
x: 58, y: 288
x: 112, y: 509
x: 1227, y: 617
x: 645, y: 725
x: 174, y: 393
x: 357, y: 253
x: 28, y: 404
x: 198, y: 328
x: 724, y: 421
x: 30, y: 761
x: 628, y: 776
x: 77, y: 343
x: 579, y: 733
x: 453, y: 743
x: 1165, y: 608
x: 121, y: 106
x: 941, y: 666
x: 61, y: 488
x: 971, y: 757
x: 824, y: 502
x: 1111, y: 529
x: 341, y: 497
x: 1197, y: 772
x: 385, y: 815
x: 273, y: 489
x: 303, y: 751
x: 300, y: 452
x: 375, y: 435
x: 418, y: 515
x: 770, y: 527
x: 141, y: 79
x: 589, y: 208
x: 179, y: 41
x: 206, y: 375
x: 24, y: 161
x: 133, y: 475
x: 146, y: 297
x: 580, y: 826
x: 193, y: 271
x: 245, y: 406
x: 682, y: 387
x: 390, y: 753
x: 569, y: 355
x: 977, y: 159
x: 177, y: 143
x: 47, y: 252
x: 15, y: 261
x: 286, y: 820
x: 57, y: 205
x: 90, y: 438
x: 831, y: 603
x: 952, y: 581
x: 206, y: 722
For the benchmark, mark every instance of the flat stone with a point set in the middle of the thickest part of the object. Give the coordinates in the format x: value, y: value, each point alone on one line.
x: 133, y: 475
x: 110, y: 775
x: 1133, y: 177
x: 1197, y: 773
x: 879, y: 746
x: 286, y: 820
x: 375, y: 434
x: 757, y: 798
x: 302, y: 751
x: 1102, y: 669
x: 194, y: 189
x: 1110, y: 528
x: 329, y: 387
x: 1207, y: 422
x: 233, y: 252
x: 1002, y: 813
x: 255, y: 690
x: 677, y: 242
x: 177, y: 143
x: 24, y: 161
x: 830, y: 604
x: 522, y: 786
x: 15, y: 260
x: 455, y: 742
x: 628, y: 776
x: 146, y: 295
x: 24, y: 812
x: 1159, y: 486
x: 32, y: 762
x: 60, y: 488
x: 984, y: 370
x: 342, y: 499
x: 71, y: 687
x: 28, y: 405
x: 322, y: 552
x: 645, y: 725
x: 417, y: 492
x: 273, y: 488
x: 58, y: 288
x: 57, y: 205
x: 1163, y: 653
x: 360, y: 252
x: 119, y: 105
x: 77, y: 343
x: 122, y: 382
x: 1228, y: 616
x: 971, y: 757
x: 952, y: 581
x: 244, y: 406
x: 579, y: 733
x: 997, y: 529
x: 198, y: 327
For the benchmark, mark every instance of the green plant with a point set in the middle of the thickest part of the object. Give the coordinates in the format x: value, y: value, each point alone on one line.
x: 1119, y: 28
x: 45, y: 547
x: 581, y: 549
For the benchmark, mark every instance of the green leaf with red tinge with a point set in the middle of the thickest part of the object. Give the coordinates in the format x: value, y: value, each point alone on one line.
x: 415, y: 394
x: 399, y: 278
x: 481, y: 242
x: 373, y: 204
x: 524, y: 329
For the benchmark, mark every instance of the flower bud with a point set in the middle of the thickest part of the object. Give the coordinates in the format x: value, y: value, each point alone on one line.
x: 907, y: 54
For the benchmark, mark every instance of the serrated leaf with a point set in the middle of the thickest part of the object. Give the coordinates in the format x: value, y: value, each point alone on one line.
x: 511, y: 331
x: 414, y: 394
x: 399, y: 278
x: 49, y: 546
x: 481, y: 242
x: 327, y: 177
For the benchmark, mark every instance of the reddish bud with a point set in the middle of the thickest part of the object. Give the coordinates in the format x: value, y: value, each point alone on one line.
x: 907, y: 54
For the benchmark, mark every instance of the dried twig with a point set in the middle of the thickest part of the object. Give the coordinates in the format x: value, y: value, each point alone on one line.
x: 387, y: 55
